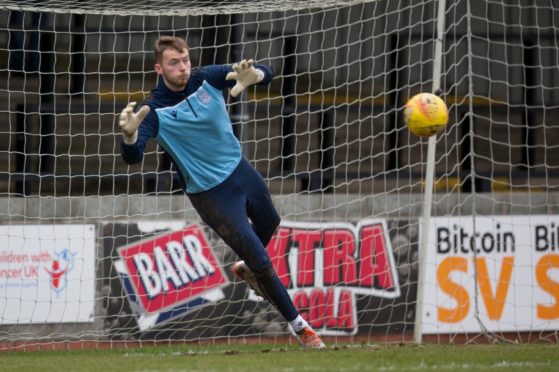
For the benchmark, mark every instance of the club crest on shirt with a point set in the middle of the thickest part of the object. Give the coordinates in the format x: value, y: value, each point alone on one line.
x: 204, y: 96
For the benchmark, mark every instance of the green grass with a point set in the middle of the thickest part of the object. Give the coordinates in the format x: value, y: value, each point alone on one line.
x: 266, y: 358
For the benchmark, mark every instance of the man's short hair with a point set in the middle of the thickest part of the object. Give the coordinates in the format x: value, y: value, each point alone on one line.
x: 168, y: 42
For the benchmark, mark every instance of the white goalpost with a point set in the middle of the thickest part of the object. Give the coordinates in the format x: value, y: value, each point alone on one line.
x: 429, y: 177
x: 385, y: 236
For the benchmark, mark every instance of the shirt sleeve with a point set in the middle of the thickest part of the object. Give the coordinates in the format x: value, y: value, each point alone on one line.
x: 134, y: 153
x: 268, y: 74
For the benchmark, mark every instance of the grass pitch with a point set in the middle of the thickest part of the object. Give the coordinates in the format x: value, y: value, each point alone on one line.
x: 239, y: 357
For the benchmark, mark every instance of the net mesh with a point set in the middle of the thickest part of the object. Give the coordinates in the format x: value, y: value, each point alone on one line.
x: 327, y: 135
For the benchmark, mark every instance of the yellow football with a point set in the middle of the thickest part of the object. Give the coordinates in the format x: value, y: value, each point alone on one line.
x: 425, y: 114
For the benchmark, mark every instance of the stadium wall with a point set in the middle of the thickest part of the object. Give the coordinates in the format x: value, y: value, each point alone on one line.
x: 118, y: 221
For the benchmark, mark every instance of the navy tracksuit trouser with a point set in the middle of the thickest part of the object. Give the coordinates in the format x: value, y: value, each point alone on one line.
x: 241, y: 212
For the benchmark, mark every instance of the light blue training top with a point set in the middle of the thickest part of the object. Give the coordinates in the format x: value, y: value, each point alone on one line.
x: 193, y: 127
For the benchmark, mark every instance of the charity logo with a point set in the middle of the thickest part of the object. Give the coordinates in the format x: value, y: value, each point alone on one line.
x: 58, y: 269
x: 170, y: 274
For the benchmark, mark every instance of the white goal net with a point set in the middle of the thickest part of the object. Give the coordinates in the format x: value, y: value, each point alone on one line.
x: 81, y: 231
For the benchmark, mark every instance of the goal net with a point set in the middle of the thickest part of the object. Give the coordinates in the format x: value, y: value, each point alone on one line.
x: 369, y: 249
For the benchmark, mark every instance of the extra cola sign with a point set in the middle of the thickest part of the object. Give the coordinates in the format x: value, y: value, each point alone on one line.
x: 325, y: 265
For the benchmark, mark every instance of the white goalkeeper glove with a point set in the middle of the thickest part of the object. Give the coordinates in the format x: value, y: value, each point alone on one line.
x: 130, y: 121
x: 245, y: 74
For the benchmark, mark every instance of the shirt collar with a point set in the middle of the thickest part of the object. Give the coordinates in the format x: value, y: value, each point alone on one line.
x: 168, y: 92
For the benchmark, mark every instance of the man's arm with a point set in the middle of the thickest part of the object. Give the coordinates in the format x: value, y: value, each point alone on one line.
x: 216, y: 75
x: 137, y: 128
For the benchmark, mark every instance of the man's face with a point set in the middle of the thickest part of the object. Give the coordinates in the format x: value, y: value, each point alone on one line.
x: 174, y: 68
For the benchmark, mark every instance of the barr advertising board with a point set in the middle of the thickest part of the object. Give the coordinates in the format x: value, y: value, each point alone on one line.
x: 169, y: 275
x: 496, y: 272
x: 47, y: 273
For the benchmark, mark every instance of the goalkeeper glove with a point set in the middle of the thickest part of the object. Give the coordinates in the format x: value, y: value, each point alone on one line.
x: 245, y: 74
x: 130, y: 121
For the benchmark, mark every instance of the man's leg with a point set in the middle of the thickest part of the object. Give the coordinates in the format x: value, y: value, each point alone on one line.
x: 224, y: 210
x: 260, y: 208
x: 265, y: 220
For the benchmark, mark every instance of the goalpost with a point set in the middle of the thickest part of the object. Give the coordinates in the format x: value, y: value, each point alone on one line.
x: 385, y: 237
x: 429, y: 178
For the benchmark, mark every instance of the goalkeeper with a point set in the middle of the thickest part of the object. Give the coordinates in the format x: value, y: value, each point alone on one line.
x: 187, y: 116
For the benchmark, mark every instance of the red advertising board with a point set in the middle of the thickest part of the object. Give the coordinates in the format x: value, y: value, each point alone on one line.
x: 171, y: 269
